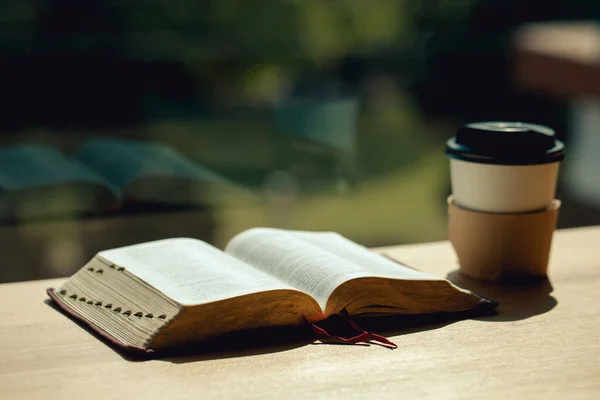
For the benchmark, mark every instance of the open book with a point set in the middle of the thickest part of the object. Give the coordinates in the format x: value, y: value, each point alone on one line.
x: 172, y: 292
x: 38, y: 181
x: 153, y: 173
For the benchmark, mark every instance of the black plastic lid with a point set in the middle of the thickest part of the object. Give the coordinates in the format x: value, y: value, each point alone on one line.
x: 507, y: 143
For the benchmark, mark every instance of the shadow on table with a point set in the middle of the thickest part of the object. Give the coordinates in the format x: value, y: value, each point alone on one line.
x: 241, y: 344
x: 516, y: 301
x: 271, y: 340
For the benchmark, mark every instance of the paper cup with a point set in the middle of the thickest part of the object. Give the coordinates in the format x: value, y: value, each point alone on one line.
x: 502, y: 247
x: 503, y: 188
x: 504, y: 167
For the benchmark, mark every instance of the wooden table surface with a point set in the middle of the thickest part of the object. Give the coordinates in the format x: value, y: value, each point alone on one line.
x: 558, y: 58
x: 543, y: 343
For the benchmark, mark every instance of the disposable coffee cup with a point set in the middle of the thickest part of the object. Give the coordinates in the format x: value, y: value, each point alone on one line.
x: 502, y: 213
x: 504, y: 167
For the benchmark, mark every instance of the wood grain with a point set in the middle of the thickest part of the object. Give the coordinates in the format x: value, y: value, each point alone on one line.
x: 544, y: 343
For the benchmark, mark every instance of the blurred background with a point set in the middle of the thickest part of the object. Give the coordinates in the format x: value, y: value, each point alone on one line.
x: 134, y: 120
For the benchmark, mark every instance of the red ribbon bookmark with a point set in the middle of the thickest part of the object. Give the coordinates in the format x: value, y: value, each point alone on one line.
x: 363, y: 337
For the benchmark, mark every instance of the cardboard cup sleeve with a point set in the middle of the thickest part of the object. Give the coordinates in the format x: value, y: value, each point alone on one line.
x: 502, y: 246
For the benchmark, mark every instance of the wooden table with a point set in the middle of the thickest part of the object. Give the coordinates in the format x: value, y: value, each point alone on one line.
x: 544, y: 343
x: 558, y: 58
x: 562, y: 60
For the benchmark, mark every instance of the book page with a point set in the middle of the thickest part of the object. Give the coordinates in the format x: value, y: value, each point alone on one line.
x: 300, y: 263
x: 316, y: 263
x: 375, y: 264
x: 190, y: 271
